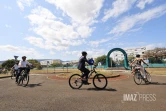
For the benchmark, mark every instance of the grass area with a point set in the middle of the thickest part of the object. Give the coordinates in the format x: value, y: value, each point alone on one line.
x: 154, y: 71
x: 4, y: 75
x: 157, y: 71
x: 70, y: 72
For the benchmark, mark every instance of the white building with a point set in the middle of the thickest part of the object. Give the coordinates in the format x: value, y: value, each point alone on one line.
x: 65, y: 62
x: 70, y: 62
x: 49, y: 62
x: 117, y: 55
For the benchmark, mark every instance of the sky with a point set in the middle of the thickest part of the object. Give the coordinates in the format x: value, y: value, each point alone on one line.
x: 62, y: 29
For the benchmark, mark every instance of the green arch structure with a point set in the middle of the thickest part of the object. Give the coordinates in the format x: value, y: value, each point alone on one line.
x: 126, y: 64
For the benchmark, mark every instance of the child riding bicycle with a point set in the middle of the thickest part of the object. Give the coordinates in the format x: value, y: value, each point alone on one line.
x: 81, y: 67
x: 15, y: 68
x: 138, y: 65
x: 22, y: 66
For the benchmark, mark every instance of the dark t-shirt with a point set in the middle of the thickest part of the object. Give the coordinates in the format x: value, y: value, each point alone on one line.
x: 81, y: 64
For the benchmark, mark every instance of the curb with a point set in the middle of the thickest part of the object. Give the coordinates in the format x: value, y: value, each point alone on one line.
x: 113, y: 76
x: 5, y: 77
x: 90, y: 77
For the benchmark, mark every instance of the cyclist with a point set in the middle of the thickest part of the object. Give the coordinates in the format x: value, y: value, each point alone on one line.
x: 22, y: 66
x: 81, y: 67
x: 15, y: 68
x: 138, y: 62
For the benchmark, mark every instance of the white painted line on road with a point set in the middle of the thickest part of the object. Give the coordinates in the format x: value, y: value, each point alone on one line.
x: 120, y: 79
x: 37, y: 74
x: 50, y: 78
x: 158, y: 75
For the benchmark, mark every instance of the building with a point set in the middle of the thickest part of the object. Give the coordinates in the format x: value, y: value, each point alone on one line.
x: 70, y: 62
x: 65, y: 62
x: 117, y: 55
x: 49, y: 62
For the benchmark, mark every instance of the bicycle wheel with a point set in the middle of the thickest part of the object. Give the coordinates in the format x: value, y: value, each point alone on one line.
x: 12, y: 74
x: 148, y: 76
x: 137, y: 78
x: 20, y: 78
x: 23, y: 79
x: 100, y: 81
x: 75, y: 81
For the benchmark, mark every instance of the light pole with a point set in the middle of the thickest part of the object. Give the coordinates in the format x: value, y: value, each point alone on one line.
x: 67, y: 67
x: 15, y: 57
x: 47, y: 66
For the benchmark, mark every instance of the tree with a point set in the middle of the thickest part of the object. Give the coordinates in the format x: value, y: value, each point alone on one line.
x: 131, y: 58
x: 8, y: 64
x: 155, y: 60
x: 56, y: 65
x: 102, y: 59
x: 35, y: 63
x: 156, y: 55
x: 38, y: 66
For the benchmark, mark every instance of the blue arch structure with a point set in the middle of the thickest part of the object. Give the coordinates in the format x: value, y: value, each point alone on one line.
x: 126, y: 64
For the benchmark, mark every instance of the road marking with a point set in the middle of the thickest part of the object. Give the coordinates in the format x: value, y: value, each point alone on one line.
x: 158, y: 75
x: 120, y: 79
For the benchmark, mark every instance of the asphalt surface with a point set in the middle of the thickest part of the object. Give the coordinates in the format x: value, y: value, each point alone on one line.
x: 43, y: 94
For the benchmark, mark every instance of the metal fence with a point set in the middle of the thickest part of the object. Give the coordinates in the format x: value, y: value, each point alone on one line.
x: 156, y: 65
x: 104, y: 67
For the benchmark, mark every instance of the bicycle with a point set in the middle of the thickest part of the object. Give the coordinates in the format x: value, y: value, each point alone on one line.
x: 76, y: 82
x: 23, y: 78
x: 3, y: 71
x: 138, y: 77
x: 13, y: 73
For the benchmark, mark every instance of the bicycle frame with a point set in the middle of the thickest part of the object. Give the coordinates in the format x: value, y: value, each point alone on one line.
x: 91, y: 72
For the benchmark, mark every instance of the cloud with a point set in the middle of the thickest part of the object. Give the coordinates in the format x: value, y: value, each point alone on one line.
x: 82, y: 14
x: 154, y: 45
x: 52, y: 33
x: 30, y: 52
x: 91, y: 53
x: 8, y: 26
x: 129, y: 22
x: 22, y: 3
x: 118, y: 7
x: 81, y: 11
x: 141, y: 3
x: 84, y: 31
x: 61, y: 36
x: 96, y: 43
x: 48, y: 45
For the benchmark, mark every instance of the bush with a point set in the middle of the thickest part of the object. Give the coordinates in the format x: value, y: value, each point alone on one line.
x: 39, y: 67
x: 8, y: 64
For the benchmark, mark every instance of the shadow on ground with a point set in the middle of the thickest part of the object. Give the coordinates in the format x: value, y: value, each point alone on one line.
x: 94, y: 89
x: 157, y: 83
x: 34, y: 85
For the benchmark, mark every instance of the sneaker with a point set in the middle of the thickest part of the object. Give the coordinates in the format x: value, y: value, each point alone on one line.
x: 86, y: 82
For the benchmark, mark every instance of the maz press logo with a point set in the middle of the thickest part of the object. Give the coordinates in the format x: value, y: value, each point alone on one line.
x: 138, y: 97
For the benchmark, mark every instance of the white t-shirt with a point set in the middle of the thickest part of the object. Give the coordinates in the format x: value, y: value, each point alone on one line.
x: 23, y: 63
x: 15, y: 66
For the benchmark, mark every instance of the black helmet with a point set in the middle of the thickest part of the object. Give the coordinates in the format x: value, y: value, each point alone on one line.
x: 84, y: 53
x: 24, y: 57
x: 137, y: 55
